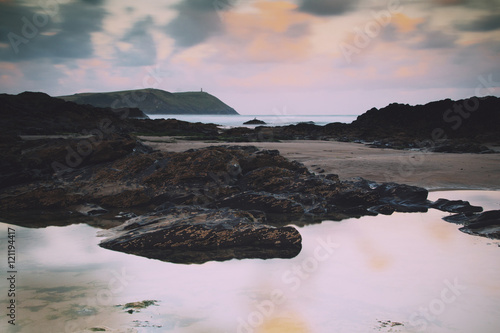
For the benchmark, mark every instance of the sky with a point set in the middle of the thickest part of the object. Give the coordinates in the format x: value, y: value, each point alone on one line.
x: 274, y: 57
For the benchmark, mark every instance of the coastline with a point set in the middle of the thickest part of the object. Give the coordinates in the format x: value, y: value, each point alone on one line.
x: 433, y: 171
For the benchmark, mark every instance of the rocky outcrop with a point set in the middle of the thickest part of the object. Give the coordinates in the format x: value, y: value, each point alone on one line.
x: 472, y: 118
x: 121, y: 173
x: 31, y: 113
x: 195, y: 235
x: 27, y: 161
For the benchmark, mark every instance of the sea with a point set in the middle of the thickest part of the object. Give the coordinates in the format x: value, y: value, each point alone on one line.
x: 271, y: 120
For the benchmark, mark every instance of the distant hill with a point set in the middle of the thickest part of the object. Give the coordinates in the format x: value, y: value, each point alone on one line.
x: 155, y: 101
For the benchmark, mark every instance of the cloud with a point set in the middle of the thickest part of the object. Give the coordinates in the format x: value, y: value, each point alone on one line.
x: 59, y: 32
x: 404, y: 23
x: 271, y: 32
x: 298, y: 30
x: 11, y: 15
x: 435, y: 39
x: 327, y: 7
x: 266, y: 32
x: 197, y: 20
x: 417, y: 33
x: 138, y: 45
x: 485, y: 23
x: 482, y: 4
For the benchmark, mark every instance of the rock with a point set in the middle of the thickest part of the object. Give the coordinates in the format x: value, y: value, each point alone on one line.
x: 460, y: 218
x: 332, y: 177
x: 402, y: 193
x: 459, y: 147
x: 262, y: 201
x: 195, y: 235
x: 455, y: 206
x: 486, y: 224
x: 383, y: 209
x: 403, y: 198
x: 234, y: 177
x: 254, y: 121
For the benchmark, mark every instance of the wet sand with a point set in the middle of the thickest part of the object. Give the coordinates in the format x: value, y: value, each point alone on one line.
x: 434, y: 171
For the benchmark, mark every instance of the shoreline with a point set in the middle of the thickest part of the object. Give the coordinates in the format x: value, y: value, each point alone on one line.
x: 433, y: 171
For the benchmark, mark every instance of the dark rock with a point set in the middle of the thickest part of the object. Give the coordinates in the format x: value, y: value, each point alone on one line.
x: 486, y: 224
x: 270, y: 179
x: 455, y: 206
x: 403, y: 198
x: 459, y: 218
x: 459, y: 147
x: 410, y: 123
x: 383, y: 209
x: 38, y: 113
x: 194, y: 235
x: 332, y: 177
x: 402, y: 193
x: 173, y: 127
x: 35, y: 160
x: 262, y: 201
x: 254, y: 121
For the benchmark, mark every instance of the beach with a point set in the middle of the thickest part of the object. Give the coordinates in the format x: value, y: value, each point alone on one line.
x: 433, y: 171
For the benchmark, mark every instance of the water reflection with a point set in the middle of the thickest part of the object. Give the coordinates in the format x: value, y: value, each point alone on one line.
x: 360, y: 275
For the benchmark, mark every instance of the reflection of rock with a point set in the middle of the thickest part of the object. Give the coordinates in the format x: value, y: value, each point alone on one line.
x: 196, y: 235
x: 140, y: 305
x: 137, y: 306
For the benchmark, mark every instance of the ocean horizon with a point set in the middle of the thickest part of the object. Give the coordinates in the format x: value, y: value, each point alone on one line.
x: 271, y: 120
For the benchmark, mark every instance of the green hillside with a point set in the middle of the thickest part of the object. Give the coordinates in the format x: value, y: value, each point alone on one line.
x: 155, y: 101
